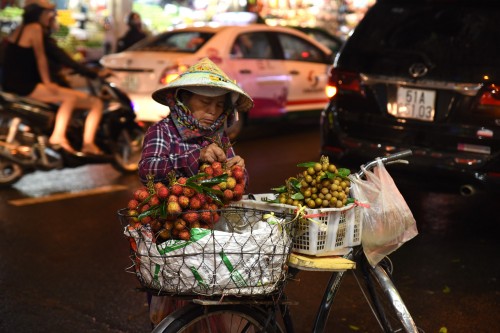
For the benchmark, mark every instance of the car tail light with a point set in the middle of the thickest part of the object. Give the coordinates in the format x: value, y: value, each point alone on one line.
x: 171, y: 73
x: 491, y: 96
x: 342, y: 80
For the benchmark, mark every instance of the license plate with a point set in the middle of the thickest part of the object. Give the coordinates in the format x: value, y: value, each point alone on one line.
x: 130, y: 83
x: 414, y: 104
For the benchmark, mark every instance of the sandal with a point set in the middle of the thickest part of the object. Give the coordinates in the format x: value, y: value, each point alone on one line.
x: 91, y: 149
x: 63, y: 145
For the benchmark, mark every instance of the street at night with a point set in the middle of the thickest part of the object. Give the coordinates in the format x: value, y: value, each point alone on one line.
x: 64, y: 259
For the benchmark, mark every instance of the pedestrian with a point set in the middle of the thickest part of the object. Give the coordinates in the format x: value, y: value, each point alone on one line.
x: 134, y: 34
x: 202, y: 102
x: 26, y: 73
x: 59, y: 60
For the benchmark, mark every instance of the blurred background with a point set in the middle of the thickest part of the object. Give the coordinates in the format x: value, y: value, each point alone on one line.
x: 90, y: 28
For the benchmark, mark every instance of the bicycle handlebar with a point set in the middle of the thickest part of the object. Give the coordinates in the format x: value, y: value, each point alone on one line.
x: 394, y: 158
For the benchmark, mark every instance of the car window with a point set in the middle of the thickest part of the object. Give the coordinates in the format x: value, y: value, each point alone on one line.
x: 186, y: 41
x: 253, y: 45
x: 298, y: 49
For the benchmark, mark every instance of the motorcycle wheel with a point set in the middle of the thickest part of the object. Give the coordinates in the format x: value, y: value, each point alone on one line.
x: 10, y: 172
x: 128, y: 150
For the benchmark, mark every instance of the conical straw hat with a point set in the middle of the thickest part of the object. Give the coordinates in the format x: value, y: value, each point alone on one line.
x: 205, y: 74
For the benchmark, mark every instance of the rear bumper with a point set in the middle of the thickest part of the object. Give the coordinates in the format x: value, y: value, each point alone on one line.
x: 461, y: 168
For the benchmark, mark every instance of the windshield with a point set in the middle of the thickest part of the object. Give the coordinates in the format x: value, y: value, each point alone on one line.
x: 185, y: 41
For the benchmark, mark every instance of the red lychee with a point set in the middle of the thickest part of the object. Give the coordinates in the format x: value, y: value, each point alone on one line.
x: 141, y: 194
x: 182, y: 180
x: 184, y: 201
x: 218, y: 172
x: 228, y: 195
x: 230, y: 182
x: 173, y: 198
x: 188, y: 191
x: 202, y: 197
x: 165, y: 234
x: 216, y: 165
x: 144, y: 208
x: 209, y: 171
x: 132, y: 204
x: 146, y: 219
x: 206, y: 217
x: 239, y: 175
x: 194, y: 203
x: 184, y: 235
x: 162, y: 192
x: 154, y: 200
x: 173, y: 208
x: 176, y: 189
x: 158, y: 185
x: 191, y: 217
x: 180, y: 224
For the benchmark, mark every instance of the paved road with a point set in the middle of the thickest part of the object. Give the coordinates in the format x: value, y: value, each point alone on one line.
x: 63, y: 258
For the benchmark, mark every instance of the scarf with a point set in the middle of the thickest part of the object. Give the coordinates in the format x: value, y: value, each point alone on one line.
x: 190, y: 128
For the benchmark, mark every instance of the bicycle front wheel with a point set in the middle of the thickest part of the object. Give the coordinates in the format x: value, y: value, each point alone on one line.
x: 195, y: 318
x: 391, y: 311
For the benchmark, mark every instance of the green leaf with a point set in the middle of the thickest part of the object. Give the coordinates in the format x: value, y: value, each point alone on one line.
x: 295, y: 183
x: 281, y: 189
x: 150, y: 212
x: 297, y: 196
x: 215, y: 197
x: 343, y: 172
x: 195, y: 177
x: 214, y: 180
x: 329, y: 175
x: 306, y: 164
x: 350, y: 201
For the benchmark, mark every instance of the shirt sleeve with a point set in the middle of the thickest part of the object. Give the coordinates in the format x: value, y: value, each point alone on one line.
x: 164, y: 151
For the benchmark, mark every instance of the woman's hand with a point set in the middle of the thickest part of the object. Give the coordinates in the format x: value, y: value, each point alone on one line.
x: 212, y: 153
x: 236, y: 160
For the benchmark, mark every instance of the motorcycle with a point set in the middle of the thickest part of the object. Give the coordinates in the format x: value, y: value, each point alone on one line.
x: 26, y: 124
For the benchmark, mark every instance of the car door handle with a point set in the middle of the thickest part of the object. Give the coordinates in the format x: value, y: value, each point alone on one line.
x: 294, y: 72
x: 245, y: 71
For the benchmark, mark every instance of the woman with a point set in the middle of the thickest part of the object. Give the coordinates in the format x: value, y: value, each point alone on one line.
x: 203, y: 102
x: 134, y: 33
x: 26, y: 73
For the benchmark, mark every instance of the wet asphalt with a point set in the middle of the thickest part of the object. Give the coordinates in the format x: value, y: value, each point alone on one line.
x: 63, y: 258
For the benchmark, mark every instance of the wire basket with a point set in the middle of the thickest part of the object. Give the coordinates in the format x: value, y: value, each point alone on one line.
x: 245, y: 254
x: 319, y: 232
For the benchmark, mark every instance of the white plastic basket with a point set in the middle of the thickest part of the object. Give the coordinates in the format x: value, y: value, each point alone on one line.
x: 319, y: 232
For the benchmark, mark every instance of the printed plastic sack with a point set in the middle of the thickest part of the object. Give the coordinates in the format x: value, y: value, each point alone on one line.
x: 214, y: 262
x: 387, y: 220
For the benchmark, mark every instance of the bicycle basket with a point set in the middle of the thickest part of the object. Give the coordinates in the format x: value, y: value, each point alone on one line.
x: 319, y: 232
x: 246, y: 254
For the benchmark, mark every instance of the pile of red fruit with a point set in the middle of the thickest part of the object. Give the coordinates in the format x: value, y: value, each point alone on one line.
x: 195, y: 202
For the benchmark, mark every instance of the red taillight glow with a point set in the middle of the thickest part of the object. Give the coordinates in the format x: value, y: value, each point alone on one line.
x: 491, y: 96
x: 341, y: 80
x: 171, y: 73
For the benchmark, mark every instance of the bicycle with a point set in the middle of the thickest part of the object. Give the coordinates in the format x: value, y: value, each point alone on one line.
x: 270, y: 313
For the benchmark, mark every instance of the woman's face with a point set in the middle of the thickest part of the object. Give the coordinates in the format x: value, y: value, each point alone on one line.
x: 206, y: 109
x: 46, y: 18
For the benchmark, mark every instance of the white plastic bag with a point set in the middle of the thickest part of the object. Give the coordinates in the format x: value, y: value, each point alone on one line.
x: 387, y: 220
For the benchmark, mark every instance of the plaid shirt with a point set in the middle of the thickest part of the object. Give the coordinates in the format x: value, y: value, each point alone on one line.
x: 164, y: 150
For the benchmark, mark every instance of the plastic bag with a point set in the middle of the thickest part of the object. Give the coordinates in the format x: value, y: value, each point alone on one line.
x: 387, y: 220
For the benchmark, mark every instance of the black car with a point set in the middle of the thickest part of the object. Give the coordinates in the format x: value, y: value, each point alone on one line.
x: 420, y: 75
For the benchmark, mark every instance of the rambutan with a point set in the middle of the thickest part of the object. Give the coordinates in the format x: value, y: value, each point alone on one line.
x: 191, y: 217
x: 176, y: 189
x: 162, y: 192
x: 188, y: 191
x: 173, y: 198
x: 180, y: 224
x: 230, y: 182
x: 184, y: 201
x: 228, y: 195
x: 194, y: 203
x: 132, y: 204
x: 173, y: 208
x: 154, y: 200
x: 184, y: 235
x: 141, y: 194
x: 182, y: 180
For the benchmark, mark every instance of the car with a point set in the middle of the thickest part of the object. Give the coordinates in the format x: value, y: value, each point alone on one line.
x: 425, y: 76
x: 333, y: 42
x: 282, y: 69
